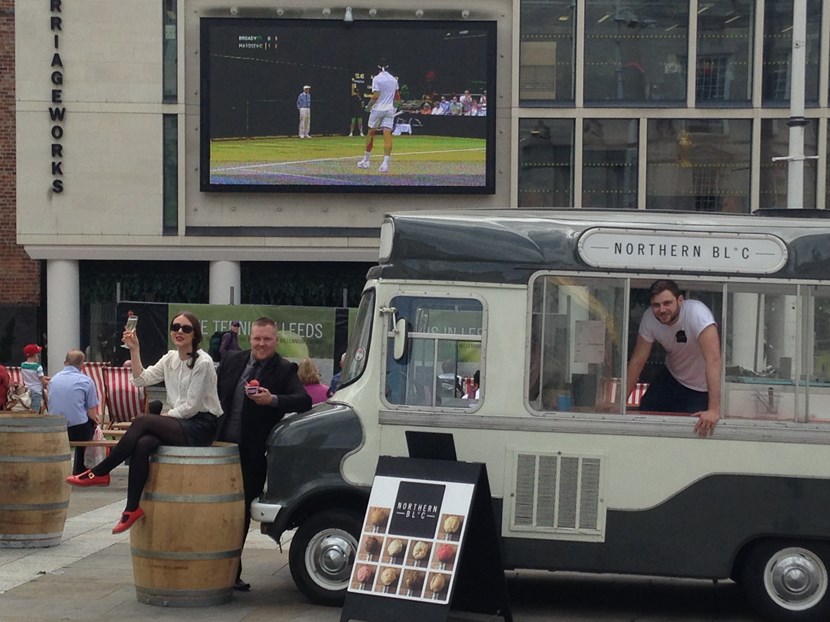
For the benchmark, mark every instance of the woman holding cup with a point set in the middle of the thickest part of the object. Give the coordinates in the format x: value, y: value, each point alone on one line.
x: 190, y: 381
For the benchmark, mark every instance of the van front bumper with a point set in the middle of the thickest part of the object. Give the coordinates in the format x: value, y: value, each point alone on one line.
x: 264, y: 512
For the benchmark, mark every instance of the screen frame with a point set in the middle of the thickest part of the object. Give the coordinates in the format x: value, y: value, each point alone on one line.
x: 209, y: 24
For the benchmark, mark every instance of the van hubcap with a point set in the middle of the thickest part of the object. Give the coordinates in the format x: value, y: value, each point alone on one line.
x: 329, y: 558
x: 796, y: 579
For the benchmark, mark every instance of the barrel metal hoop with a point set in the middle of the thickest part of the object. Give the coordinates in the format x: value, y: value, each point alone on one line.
x: 195, y: 460
x: 185, y: 555
x: 52, y: 458
x: 192, y: 450
x: 18, y: 428
x: 168, y: 498
x: 30, y: 540
x: 183, y: 598
x: 18, y: 507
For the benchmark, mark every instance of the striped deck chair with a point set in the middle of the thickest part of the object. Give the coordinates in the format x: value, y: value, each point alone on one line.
x: 96, y: 372
x: 124, y: 401
x: 16, y: 377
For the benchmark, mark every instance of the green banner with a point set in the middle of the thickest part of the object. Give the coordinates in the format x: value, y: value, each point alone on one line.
x: 303, y: 331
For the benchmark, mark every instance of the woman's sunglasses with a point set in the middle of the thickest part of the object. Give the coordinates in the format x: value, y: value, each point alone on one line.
x: 185, y: 328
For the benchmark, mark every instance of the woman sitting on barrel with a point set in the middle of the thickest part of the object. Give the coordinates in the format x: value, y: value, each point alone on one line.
x: 190, y: 381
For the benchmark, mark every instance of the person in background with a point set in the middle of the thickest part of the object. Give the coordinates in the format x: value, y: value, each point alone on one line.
x: 304, y: 107
x: 73, y: 394
x: 310, y: 377
x: 190, y: 381
x: 385, y: 101
x: 252, y: 411
x: 335, y: 379
x: 357, y: 114
x: 690, y: 381
x: 5, y: 385
x: 33, y: 377
x: 230, y: 340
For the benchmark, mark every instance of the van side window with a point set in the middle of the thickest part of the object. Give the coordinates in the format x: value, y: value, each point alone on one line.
x: 575, y: 350
x: 777, y: 353
x: 443, y: 352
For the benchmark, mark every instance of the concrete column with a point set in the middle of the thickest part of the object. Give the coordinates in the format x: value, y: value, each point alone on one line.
x: 225, y: 282
x: 63, y: 313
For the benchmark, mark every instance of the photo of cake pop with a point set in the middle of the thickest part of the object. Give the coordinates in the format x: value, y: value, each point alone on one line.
x: 445, y: 556
x: 437, y: 584
x: 412, y: 583
x: 388, y: 579
x: 371, y: 547
x: 419, y: 552
x: 395, y: 549
x: 451, y: 526
x: 376, y: 522
x: 364, y: 576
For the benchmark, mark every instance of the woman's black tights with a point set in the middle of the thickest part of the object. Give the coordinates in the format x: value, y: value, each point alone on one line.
x: 142, y: 438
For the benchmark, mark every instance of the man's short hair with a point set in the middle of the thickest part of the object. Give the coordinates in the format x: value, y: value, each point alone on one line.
x: 265, y: 321
x: 383, y: 63
x: 658, y: 287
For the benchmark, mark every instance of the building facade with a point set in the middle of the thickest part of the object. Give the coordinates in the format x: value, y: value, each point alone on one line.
x: 616, y: 104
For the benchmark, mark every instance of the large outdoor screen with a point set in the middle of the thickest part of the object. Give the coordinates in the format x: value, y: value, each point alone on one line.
x: 253, y: 71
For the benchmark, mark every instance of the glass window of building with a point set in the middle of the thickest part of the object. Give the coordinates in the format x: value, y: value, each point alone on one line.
x: 170, y: 45
x: 546, y: 52
x: 724, y: 52
x: 609, y: 163
x: 636, y: 52
x: 170, y: 174
x: 775, y: 142
x: 546, y: 162
x: 777, y: 68
x: 699, y: 165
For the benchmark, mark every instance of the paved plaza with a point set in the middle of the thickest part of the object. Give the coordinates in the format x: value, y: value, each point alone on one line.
x: 89, y: 577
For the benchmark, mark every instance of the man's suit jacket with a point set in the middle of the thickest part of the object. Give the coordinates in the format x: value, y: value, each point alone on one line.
x: 279, y: 376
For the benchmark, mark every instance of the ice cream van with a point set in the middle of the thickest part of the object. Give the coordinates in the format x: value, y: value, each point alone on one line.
x: 543, y: 309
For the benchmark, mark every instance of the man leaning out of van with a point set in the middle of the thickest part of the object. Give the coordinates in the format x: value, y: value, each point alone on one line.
x: 690, y: 381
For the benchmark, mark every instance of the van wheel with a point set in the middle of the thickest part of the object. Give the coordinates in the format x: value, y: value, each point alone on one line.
x: 322, y: 554
x: 788, y: 581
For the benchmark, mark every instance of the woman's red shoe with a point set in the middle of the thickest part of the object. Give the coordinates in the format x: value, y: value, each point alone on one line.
x: 88, y: 478
x: 127, y: 520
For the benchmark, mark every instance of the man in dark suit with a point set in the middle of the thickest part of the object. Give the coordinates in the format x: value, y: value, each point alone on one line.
x: 251, y: 412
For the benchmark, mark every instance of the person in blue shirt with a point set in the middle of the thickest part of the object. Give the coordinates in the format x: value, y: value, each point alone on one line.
x: 73, y: 395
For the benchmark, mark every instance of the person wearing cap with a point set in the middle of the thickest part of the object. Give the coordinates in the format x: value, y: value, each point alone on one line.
x: 304, y: 106
x: 382, y: 108
x: 230, y: 340
x: 32, y: 374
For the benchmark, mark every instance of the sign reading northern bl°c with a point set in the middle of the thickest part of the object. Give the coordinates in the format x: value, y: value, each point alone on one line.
x: 700, y: 251
x: 428, y: 543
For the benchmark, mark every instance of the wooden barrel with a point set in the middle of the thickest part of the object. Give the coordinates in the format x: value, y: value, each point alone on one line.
x: 186, y: 549
x: 34, y: 464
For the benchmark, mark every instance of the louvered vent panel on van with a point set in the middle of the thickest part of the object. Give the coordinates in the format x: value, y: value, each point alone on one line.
x: 556, y: 493
x: 546, y: 495
x: 588, y: 506
x: 525, y: 489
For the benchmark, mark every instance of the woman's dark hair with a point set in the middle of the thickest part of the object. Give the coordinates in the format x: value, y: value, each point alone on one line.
x: 197, y: 335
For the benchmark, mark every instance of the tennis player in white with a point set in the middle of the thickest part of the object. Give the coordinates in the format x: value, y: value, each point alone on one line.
x: 385, y: 101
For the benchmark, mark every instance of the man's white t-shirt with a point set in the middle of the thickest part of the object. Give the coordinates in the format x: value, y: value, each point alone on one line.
x: 685, y: 359
x: 386, y: 85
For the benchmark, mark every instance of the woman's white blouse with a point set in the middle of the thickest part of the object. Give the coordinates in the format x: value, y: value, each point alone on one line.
x: 189, y: 391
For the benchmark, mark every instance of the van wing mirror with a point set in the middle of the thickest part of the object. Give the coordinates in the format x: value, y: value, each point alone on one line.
x: 399, y: 348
